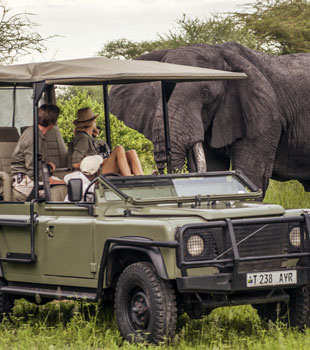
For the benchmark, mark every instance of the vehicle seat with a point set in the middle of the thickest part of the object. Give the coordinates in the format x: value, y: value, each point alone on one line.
x: 70, y: 152
x: 58, y: 193
x: 8, y: 139
x: 56, y: 147
x: 56, y: 150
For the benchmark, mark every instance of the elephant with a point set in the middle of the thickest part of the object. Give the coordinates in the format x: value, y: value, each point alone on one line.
x: 260, y: 125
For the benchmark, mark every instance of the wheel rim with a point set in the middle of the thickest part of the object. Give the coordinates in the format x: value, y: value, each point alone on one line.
x: 138, y: 309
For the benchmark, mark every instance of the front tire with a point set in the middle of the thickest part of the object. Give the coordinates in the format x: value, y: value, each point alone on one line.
x: 295, y: 313
x: 145, y: 305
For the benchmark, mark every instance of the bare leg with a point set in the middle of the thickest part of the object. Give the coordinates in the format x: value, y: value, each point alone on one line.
x: 134, y: 162
x: 116, y: 163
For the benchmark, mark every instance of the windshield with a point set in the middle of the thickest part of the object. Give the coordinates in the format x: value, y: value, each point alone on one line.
x: 178, y: 186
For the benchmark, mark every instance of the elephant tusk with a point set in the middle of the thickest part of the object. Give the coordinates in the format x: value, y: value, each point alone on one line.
x: 200, y: 158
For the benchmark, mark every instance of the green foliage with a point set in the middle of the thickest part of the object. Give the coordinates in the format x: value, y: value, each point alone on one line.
x: 120, y: 133
x: 123, y: 48
x: 214, y: 30
x: 95, y: 92
x: 289, y: 194
x: 283, y: 26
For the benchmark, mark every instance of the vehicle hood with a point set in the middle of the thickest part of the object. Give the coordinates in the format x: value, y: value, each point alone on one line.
x: 216, y: 212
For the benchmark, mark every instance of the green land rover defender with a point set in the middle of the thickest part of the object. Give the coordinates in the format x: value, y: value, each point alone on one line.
x: 157, y: 245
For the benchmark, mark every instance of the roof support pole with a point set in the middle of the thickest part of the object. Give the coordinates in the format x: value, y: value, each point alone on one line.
x: 107, y: 115
x: 38, y: 90
x: 14, y: 105
x: 166, y: 91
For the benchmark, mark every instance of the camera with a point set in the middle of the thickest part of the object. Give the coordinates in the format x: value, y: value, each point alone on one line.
x: 104, y: 150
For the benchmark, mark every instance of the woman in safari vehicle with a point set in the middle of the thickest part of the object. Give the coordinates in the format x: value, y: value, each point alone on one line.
x: 86, y: 144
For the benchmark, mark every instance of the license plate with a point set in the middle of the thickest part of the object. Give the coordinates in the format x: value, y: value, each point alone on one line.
x: 273, y: 278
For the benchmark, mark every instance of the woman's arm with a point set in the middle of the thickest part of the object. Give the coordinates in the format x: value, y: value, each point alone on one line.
x: 80, y: 150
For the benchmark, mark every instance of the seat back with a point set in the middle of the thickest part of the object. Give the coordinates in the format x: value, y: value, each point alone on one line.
x: 70, y: 152
x: 58, y: 193
x: 8, y: 141
x: 56, y: 147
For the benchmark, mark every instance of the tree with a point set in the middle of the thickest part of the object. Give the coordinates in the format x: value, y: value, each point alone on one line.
x: 214, y: 30
x: 272, y: 26
x: 282, y: 25
x: 17, y: 35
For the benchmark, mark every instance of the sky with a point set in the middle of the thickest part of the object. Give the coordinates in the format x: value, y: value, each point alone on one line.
x: 82, y: 27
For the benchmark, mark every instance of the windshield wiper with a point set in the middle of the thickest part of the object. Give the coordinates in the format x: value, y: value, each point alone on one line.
x: 197, y: 201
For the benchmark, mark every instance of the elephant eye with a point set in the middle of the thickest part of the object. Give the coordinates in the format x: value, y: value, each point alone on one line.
x: 211, y: 91
x: 207, y: 95
x: 204, y: 92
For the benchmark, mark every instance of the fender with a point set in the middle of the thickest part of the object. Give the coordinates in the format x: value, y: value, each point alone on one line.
x: 140, y: 245
x: 153, y: 254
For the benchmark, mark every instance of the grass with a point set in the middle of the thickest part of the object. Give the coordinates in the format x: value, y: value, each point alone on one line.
x: 83, y: 326
x: 289, y: 194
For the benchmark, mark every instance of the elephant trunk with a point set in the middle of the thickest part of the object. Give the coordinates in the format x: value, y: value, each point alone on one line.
x: 183, y: 147
x: 186, y: 130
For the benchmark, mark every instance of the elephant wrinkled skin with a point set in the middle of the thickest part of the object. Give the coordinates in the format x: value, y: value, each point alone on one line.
x: 260, y: 125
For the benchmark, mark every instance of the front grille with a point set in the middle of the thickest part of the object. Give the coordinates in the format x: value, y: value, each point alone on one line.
x: 263, y: 239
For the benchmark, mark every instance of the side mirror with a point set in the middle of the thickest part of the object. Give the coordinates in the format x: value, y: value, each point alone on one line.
x: 75, y: 190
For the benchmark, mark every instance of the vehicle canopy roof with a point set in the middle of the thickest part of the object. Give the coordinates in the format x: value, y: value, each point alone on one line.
x: 102, y: 71
x: 94, y: 70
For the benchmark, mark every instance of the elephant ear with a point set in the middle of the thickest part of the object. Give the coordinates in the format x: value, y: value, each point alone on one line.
x: 248, y: 107
x: 135, y: 105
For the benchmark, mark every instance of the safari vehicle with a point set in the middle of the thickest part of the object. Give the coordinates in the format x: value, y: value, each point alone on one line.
x: 158, y: 246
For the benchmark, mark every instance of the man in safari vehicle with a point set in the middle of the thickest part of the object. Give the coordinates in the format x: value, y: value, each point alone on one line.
x: 22, y: 158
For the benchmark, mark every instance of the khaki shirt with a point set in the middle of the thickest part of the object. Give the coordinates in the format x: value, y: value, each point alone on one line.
x: 83, y: 146
x: 22, y: 158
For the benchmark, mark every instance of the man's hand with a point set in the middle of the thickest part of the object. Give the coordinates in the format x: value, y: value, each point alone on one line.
x: 52, y: 165
x: 56, y: 181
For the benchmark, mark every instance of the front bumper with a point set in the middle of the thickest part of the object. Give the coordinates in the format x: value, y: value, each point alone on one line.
x: 243, y: 246
x: 228, y: 283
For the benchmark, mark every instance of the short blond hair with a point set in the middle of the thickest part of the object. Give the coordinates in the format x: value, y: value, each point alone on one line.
x: 80, y: 128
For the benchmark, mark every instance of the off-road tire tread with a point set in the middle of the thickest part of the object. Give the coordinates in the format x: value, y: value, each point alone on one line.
x: 165, y: 300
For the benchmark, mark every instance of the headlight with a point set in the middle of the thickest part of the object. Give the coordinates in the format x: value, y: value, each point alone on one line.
x: 195, y: 245
x: 295, y: 237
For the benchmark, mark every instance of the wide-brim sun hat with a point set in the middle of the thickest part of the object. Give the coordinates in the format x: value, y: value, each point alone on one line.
x: 85, y: 117
x: 91, y: 164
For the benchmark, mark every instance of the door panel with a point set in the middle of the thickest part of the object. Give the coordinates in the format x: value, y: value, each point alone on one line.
x: 68, y: 246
